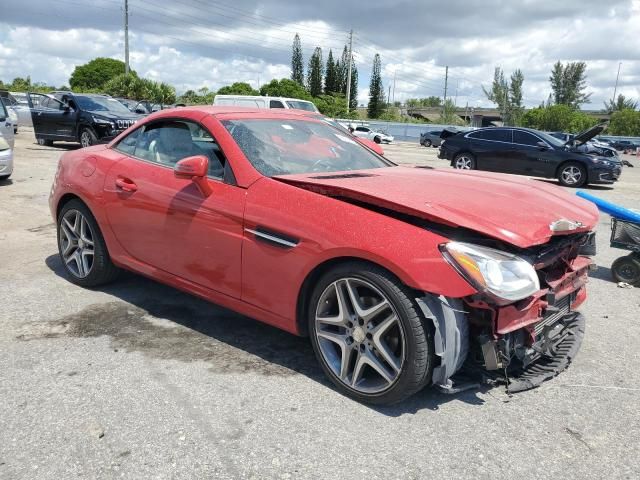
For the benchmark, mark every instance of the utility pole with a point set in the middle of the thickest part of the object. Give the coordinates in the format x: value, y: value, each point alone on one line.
x: 394, y: 86
x: 615, y: 90
x: 389, y: 97
x: 456, y: 97
x: 446, y: 80
x: 126, y: 37
x: 349, y: 70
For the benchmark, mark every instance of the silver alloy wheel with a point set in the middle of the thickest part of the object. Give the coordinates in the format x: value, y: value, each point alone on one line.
x: 360, y: 335
x: 85, y: 139
x: 76, y: 243
x: 571, y: 175
x: 463, y: 162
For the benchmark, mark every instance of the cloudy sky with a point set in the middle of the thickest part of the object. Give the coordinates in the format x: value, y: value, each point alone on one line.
x: 196, y: 43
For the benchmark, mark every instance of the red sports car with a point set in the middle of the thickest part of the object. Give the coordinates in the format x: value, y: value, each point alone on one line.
x: 398, y: 275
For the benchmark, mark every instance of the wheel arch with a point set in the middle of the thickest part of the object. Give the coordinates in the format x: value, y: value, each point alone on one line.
x: 304, y: 294
x: 66, y: 198
x: 562, y: 164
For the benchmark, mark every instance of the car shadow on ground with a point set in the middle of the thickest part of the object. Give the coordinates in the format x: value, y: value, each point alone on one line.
x: 55, y: 146
x: 585, y: 187
x: 6, y: 182
x: 191, y: 329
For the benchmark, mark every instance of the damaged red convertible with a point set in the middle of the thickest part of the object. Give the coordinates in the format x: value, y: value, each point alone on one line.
x: 401, y: 277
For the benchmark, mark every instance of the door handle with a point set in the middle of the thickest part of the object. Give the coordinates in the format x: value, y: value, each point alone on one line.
x: 126, y: 185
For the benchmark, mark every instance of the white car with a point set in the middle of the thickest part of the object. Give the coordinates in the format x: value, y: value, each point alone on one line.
x: 256, y: 101
x: 6, y: 143
x: 365, y: 132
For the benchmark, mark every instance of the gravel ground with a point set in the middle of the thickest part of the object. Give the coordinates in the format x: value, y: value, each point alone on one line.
x: 137, y: 380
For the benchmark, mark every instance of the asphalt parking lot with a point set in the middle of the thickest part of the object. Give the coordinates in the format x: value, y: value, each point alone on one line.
x: 137, y: 380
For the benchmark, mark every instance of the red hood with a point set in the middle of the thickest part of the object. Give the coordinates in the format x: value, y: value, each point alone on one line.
x: 517, y: 210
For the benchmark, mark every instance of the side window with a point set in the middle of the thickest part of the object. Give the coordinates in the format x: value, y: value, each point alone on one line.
x: 498, y: 135
x: 128, y: 144
x: 276, y: 104
x: 362, y: 129
x: 168, y: 142
x: 525, y: 138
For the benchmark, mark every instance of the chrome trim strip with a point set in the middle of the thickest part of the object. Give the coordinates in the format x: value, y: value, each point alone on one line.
x: 272, y: 238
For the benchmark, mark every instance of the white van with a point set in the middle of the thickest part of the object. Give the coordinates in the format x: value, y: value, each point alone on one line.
x: 255, y: 101
x: 6, y: 143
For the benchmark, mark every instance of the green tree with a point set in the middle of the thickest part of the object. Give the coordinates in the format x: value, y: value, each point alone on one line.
x: 297, y: 66
x: 285, y: 88
x: 331, y: 83
x: 95, y: 74
x: 625, y: 122
x: 507, y: 95
x: 343, y: 65
x: 123, y: 85
x: 568, y: 84
x: 619, y: 104
x: 353, y: 101
x: 315, y: 73
x: 562, y: 118
x: 332, y: 105
x: 238, y: 88
x: 516, y: 108
x: 376, y: 105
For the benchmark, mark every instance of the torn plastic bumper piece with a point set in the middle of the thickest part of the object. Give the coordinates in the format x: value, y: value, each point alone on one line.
x: 451, y: 339
x: 557, y: 353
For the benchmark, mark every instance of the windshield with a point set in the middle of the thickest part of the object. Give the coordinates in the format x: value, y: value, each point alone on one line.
x: 551, y: 140
x: 100, y: 104
x: 284, y: 147
x: 301, y: 105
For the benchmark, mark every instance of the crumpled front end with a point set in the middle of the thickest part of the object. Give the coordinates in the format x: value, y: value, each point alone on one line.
x: 535, y: 339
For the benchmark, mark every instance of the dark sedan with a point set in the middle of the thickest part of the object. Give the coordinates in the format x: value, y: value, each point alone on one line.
x: 524, y: 151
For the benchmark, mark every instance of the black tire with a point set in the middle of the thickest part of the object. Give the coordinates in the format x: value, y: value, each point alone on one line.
x: 626, y: 269
x: 416, y: 370
x: 464, y: 161
x: 4, y: 177
x: 377, y: 139
x: 570, y: 170
x: 87, y: 137
x: 102, y: 270
x: 44, y: 142
x: 427, y: 143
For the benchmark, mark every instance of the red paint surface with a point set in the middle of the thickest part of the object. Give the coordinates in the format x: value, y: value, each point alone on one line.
x: 167, y: 230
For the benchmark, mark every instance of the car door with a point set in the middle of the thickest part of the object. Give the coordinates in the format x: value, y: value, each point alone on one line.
x: 6, y: 127
x: 166, y: 223
x: 51, y: 118
x: 530, y: 157
x: 492, y: 148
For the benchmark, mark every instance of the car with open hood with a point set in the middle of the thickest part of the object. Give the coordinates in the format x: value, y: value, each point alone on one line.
x: 524, y: 151
x: 74, y: 117
x: 399, y: 276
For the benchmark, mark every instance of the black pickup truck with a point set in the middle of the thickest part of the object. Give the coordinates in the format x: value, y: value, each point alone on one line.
x: 74, y: 117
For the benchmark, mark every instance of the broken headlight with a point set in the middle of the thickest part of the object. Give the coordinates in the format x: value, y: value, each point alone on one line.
x: 503, y: 276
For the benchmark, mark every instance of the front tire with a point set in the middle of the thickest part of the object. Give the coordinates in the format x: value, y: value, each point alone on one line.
x: 4, y: 177
x: 88, y: 137
x: 368, y: 334
x: 44, y: 142
x: 626, y: 269
x: 82, y: 248
x: 573, y: 175
x: 464, y: 161
x: 377, y: 140
x: 427, y: 143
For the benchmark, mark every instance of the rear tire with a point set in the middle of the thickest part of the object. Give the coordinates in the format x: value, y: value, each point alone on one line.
x: 572, y: 174
x: 82, y: 248
x: 464, y: 161
x: 44, y: 142
x: 626, y: 269
x: 397, y: 338
x: 4, y: 177
x: 427, y: 143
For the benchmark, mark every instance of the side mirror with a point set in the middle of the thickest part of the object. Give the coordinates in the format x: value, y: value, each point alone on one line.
x: 195, y: 169
x: 542, y: 146
x: 141, y: 111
